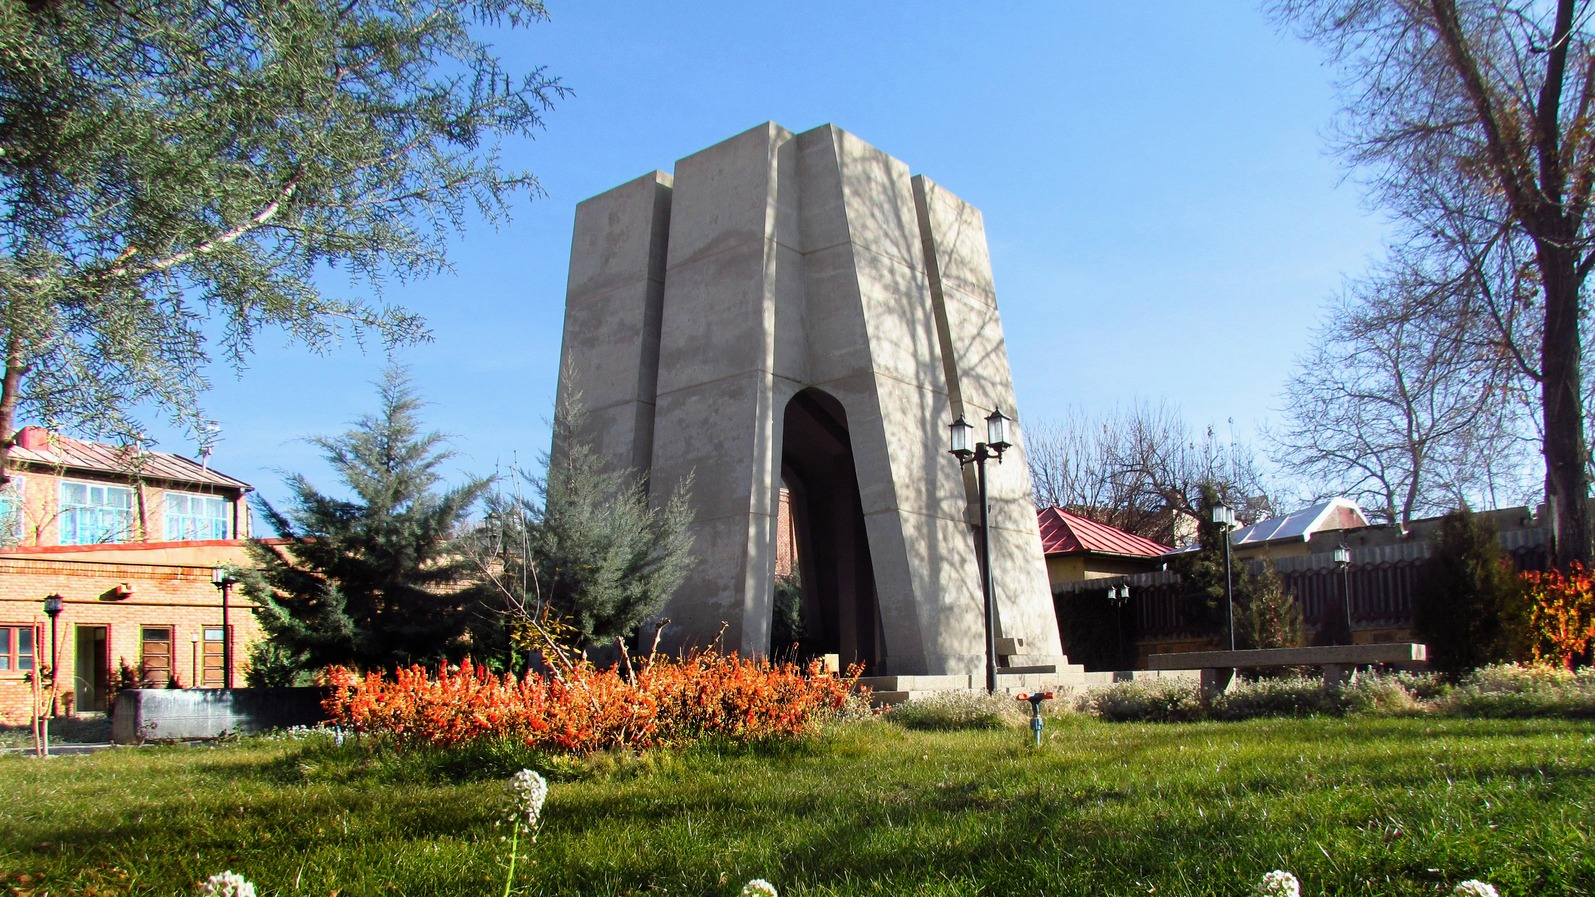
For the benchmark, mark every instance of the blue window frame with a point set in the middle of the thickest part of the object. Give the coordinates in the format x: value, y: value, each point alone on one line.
x: 95, y: 513
x: 190, y: 516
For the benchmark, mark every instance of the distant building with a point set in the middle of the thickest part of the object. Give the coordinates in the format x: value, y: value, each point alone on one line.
x: 129, y: 539
x: 1288, y: 535
x: 1078, y: 548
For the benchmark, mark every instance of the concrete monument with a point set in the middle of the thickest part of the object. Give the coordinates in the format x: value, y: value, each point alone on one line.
x: 798, y: 309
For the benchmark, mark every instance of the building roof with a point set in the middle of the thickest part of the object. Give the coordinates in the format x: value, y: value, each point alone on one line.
x: 1065, y: 533
x: 1336, y: 513
x: 37, y: 448
x: 1297, y: 526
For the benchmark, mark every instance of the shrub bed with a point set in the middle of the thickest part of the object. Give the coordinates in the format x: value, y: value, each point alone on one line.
x: 1502, y: 691
x: 954, y: 711
x: 667, y: 702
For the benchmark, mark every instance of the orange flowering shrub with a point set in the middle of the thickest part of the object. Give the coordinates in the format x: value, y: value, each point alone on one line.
x: 1560, y: 616
x: 588, y: 709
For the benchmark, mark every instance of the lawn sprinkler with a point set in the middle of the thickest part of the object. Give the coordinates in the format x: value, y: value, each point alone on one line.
x: 1035, y: 711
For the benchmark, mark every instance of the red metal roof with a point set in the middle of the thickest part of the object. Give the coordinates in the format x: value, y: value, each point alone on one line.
x: 1066, y: 533
x: 68, y: 454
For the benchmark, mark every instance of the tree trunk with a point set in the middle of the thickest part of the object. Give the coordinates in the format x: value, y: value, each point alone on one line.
x: 1561, y: 389
x: 10, y: 392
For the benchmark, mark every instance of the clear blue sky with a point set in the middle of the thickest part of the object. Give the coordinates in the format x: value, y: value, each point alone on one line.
x: 1164, y: 217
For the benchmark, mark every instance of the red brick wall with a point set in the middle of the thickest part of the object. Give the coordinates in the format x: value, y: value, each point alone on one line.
x: 179, y: 597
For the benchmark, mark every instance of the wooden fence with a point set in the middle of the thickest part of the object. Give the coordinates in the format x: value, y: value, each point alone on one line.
x: 1381, y: 582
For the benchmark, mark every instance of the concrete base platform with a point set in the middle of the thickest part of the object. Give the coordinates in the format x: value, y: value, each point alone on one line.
x: 1071, y: 678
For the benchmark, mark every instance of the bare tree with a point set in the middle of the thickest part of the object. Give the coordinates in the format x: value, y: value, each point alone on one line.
x: 1473, y: 121
x: 1141, y: 468
x: 1405, y: 402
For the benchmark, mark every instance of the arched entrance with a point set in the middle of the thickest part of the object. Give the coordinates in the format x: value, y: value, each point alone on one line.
x: 840, y: 612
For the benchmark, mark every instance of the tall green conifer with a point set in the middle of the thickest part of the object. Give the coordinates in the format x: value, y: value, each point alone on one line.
x: 372, y: 580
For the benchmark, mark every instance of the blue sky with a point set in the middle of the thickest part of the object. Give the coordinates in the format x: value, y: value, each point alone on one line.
x: 1165, y: 219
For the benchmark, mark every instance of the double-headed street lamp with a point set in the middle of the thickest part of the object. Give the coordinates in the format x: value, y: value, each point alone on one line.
x: 223, y: 580
x: 996, y: 443
x: 1224, y: 516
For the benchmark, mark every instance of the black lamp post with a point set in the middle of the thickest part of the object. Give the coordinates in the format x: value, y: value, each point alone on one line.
x: 1119, y: 596
x: 1343, y: 563
x: 53, y: 606
x: 996, y: 443
x: 1224, y: 516
x: 223, y: 581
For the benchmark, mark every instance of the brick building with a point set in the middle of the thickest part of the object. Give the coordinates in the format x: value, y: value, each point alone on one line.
x: 130, y: 541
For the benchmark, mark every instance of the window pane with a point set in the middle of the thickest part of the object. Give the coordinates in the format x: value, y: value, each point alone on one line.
x: 94, y: 514
x: 195, y: 517
x: 11, y: 510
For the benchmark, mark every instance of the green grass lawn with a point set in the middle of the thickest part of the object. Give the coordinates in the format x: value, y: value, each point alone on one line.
x: 1352, y: 806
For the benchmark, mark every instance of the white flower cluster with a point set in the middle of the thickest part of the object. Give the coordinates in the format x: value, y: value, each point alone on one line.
x: 227, y: 884
x: 758, y: 888
x: 530, y: 790
x: 1279, y: 883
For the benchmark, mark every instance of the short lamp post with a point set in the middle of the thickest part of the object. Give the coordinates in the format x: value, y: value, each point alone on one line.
x: 1343, y: 564
x: 53, y: 605
x: 193, y: 662
x: 1224, y: 516
x: 1119, y: 596
x: 996, y: 443
x: 223, y: 581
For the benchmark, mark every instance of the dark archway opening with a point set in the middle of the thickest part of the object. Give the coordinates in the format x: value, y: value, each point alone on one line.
x: 840, y: 614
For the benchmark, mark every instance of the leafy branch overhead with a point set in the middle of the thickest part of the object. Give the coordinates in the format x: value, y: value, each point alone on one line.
x: 171, y: 170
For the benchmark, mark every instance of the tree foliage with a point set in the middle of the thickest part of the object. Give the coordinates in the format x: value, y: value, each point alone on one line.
x: 1266, y: 616
x: 1473, y: 121
x: 179, y: 169
x: 1207, y: 579
x: 588, y: 552
x: 1140, y: 469
x: 372, y: 581
x: 1406, y: 404
x: 1558, y: 616
x: 1468, y: 597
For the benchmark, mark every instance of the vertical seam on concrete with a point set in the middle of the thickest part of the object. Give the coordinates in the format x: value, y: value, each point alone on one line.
x: 927, y: 242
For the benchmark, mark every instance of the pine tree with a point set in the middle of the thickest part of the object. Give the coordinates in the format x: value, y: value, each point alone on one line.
x: 1266, y: 616
x: 1206, y: 584
x: 372, y: 581
x: 1464, y: 603
x: 593, y: 554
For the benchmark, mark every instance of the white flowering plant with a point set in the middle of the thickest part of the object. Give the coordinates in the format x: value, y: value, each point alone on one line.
x: 759, y: 888
x: 227, y: 884
x: 1279, y: 883
x: 528, y: 791
x: 1474, y: 888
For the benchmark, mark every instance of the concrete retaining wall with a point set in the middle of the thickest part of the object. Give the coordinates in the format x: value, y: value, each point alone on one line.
x: 164, y: 714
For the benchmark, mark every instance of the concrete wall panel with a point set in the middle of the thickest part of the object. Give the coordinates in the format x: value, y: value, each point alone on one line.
x: 620, y: 236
